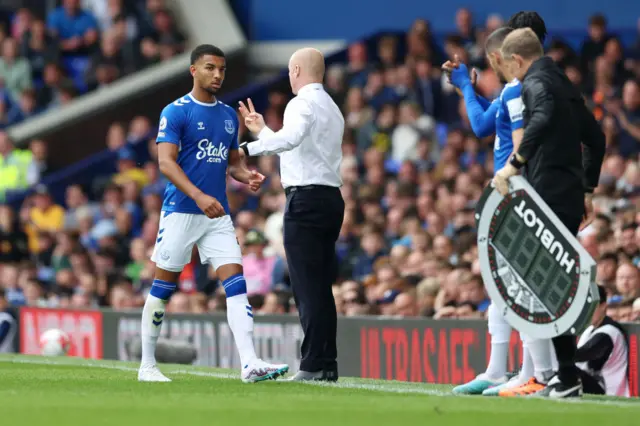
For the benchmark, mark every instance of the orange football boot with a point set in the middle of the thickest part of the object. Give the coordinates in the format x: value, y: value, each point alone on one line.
x: 529, y: 388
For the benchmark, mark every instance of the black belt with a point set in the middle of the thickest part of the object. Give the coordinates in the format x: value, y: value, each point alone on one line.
x: 291, y: 189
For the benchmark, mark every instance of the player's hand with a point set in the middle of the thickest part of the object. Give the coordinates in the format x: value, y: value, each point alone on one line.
x: 255, y: 180
x: 460, y: 76
x: 589, y: 213
x: 474, y: 77
x: 501, y: 179
x: 209, y: 206
x: 447, y: 69
x: 253, y: 120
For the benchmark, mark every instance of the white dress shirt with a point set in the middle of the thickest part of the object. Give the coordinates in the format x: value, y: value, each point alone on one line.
x: 310, y: 141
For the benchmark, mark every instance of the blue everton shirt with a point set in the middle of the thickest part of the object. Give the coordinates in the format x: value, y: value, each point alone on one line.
x: 508, y: 119
x: 205, y: 133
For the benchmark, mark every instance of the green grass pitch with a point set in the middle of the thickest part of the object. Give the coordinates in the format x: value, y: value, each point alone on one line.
x: 38, y: 391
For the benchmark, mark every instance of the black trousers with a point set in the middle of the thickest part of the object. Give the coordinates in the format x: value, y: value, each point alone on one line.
x: 566, y: 345
x: 312, y: 221
x: 591, y: 384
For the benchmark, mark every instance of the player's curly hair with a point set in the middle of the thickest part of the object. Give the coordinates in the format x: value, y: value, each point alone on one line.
x: 205, y: 49
x: 529, y: 19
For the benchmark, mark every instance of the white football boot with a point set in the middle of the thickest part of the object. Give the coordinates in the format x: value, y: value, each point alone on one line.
x: 150, y: 373
x: 259, y: 371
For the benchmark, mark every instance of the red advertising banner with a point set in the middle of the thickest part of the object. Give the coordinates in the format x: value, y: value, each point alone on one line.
x: 443, y: 352
x: 83, y: 327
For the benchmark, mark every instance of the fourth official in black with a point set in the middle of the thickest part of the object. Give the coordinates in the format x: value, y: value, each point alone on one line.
x: 561, y: 152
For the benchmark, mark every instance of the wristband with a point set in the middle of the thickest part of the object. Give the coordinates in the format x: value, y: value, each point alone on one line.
x: 515, y: 162
x: 245, y: 147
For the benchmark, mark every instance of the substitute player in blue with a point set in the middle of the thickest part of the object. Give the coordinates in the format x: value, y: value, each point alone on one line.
x: 197, y: 142
x: 504, y: 116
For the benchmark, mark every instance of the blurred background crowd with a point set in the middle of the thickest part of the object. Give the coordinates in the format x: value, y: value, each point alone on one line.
x: 412, y: 172
x: 80, y: 46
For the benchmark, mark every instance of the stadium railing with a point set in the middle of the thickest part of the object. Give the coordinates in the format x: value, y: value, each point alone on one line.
x: 416, y: 350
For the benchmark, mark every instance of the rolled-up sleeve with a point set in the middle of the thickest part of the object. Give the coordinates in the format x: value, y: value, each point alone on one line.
x: 298, y: 119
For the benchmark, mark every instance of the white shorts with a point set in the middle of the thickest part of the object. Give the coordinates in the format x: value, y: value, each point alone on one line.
x: 179, y: 232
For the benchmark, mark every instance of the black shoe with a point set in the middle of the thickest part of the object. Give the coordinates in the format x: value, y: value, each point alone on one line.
x: 329, y: 376
x: 558, y: 390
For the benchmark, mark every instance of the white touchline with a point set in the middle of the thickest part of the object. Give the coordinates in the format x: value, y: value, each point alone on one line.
x: 391, y: 387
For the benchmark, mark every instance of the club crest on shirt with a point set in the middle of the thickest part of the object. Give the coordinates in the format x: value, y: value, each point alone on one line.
x: 229, y: 127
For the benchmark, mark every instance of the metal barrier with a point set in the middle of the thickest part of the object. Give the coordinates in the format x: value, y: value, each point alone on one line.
x: 416, y: 350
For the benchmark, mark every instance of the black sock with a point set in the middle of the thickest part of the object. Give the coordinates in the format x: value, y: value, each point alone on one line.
x: 565, y: 351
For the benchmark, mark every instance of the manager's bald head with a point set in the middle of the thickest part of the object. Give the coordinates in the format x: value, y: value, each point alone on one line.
x: 306, y: 66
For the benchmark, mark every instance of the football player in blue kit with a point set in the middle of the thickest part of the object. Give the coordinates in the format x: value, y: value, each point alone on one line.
x: 197, y: 144
x: 504, y: 117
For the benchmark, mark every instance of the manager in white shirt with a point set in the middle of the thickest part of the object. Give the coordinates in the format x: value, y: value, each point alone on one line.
x: 310, y: 149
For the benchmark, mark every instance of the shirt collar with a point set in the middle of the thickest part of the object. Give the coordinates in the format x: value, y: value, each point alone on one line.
x: 310, y: 87
x: 538, y: 64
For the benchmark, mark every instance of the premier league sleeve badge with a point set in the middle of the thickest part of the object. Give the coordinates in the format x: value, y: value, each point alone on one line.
x: 535, y: 271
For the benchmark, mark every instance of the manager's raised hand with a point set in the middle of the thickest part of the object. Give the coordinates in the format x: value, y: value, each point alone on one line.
x: 252, y: 119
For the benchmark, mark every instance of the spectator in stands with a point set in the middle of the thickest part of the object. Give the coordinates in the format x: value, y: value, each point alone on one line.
x: 140, y: 130
x: 372, y: 247
x: 276, y: 302
x: 465, y: 27
x: 14, y: 164
x: 39, y: 48
x: 75, y: 28
x: 404, y: 305
x: 627, y: 282
x: 628, y: 119
x: 75, y: 200
x: 412, y: 125
x: 21, y: 22
x: 26, y: 107
x: 146, y: 13
x: 357, y: 65
x: 593, y: 45
x: 109, y: 12
x: 45, y: 217
x: 13, y: 241
x: 15, y: 71
x: 165, y: 35
x: 39, y: 166
x: 606, y: 272
x: 8, y: 326
x: 54, y: 85
x: 105, y: 65
x: 127, y: 169
x: 258, y: 268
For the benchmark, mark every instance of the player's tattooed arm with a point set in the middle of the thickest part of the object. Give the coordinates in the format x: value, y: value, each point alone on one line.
x: 168, y: 165
x: 239, y: 171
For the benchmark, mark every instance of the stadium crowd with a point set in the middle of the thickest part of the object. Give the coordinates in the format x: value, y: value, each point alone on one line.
x: 412, y: 171
x: 80, y: 46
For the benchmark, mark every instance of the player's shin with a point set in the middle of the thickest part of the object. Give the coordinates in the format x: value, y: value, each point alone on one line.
x: 152, y: 318
x: 527, y: 370
x: 500, y: 332
x: 541, y: 353
x: 240, y: 317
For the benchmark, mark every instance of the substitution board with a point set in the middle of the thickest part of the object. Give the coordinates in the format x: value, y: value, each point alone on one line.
x: 535, y: 271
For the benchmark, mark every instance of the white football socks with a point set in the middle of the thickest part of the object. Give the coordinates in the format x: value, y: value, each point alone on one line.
x: 500, y: 332
x: 240, y: 319
x: 152, y: 317
x: 542, y: 356
x: 527, y: 370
